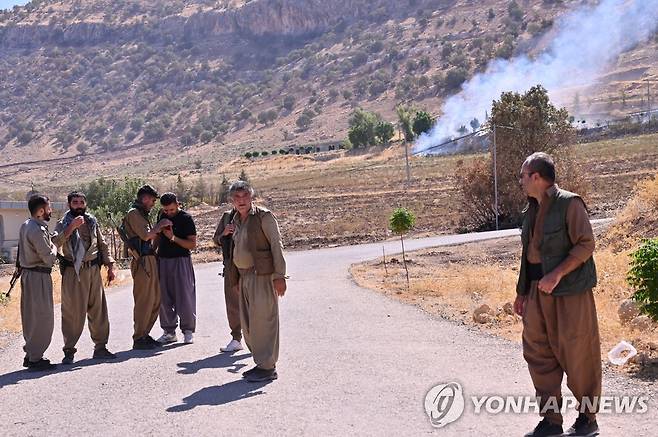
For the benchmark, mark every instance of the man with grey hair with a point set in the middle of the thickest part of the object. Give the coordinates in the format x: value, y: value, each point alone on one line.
x: 554, y: 297
x: 260, y: 272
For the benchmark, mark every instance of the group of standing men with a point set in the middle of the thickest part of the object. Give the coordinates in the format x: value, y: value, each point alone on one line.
x: 554, y: 291
x: 163, y: 276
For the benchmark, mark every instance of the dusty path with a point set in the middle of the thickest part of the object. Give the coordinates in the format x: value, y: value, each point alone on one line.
x: 352, y: 363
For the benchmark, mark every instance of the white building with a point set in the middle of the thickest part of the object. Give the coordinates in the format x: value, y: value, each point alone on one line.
x: 12, y: 216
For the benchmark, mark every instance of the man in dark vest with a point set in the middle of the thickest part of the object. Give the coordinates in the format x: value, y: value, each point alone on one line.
x: 258, y: 256
x: 554, y: 297
x: 224, y: 238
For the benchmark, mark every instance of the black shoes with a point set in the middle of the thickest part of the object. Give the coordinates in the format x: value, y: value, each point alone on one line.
x: 26, y: 361
x: 145, y: 343
x: 545, y: 428
x: 68, y: 357
x: 40, y: 366
x: 583, y: 427
x: 103, y: 354
x: 260, y: 375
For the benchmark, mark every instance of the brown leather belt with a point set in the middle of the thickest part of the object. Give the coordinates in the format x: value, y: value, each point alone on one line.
x: 247, y: 271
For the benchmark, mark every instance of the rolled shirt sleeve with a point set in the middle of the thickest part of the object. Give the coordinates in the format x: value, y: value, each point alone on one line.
x: 271, y: 231
x: 580, y: 231
x: 58, y: 237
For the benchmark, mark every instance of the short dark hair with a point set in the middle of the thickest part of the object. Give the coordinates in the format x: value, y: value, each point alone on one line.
x: 542, y: 163
x: 147, y: 190
x: 73, y: 194
x: 168, y: 199
x: 37, y: 201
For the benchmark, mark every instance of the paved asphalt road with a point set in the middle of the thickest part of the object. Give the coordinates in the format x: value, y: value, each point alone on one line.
x: 352, y: 362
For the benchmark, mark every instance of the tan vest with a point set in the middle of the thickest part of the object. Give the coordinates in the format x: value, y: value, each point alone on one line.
x: 259, y: 247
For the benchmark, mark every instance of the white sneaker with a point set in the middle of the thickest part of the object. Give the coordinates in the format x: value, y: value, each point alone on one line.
x: 233, y: 346
x: 167, y: 337
x: 188, y: 337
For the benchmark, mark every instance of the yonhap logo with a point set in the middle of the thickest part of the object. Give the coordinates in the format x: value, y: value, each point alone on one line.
x: 444, y: 404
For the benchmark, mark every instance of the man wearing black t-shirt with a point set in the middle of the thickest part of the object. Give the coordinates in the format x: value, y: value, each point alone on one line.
x: 177, y: 282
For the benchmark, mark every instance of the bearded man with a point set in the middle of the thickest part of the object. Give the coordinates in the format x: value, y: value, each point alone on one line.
x: 82, y: 251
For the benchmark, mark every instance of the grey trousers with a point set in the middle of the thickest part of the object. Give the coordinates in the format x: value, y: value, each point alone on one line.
x: 37, y: 316
x: 178, y: 298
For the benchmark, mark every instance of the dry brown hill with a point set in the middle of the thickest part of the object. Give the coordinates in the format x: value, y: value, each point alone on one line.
x: 123, y: 87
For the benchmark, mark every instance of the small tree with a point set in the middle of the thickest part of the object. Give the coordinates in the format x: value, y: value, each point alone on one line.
x: 243, y: 176
x: 222, y: 196
x: 402, y: 221
x: 423, y: 122
x: 643, y: 277
x: 405, y: 122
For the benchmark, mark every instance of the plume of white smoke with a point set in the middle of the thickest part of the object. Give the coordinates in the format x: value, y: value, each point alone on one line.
x: 588, y: 40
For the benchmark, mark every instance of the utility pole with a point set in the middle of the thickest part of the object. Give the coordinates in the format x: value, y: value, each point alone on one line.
x: 406, y: 157
x: 495, y: 172
x: 648, y: 81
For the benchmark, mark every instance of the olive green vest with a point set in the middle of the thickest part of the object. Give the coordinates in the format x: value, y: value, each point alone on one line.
x: 259, y: 246
x: 555, y: 247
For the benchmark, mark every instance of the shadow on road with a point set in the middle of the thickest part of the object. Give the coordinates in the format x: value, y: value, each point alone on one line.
x: 24, y: 375
x: 220, y: 395
x: 215, y: 362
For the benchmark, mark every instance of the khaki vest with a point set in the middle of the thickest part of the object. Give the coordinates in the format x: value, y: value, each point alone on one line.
x: 259, y: 247
x: 555, y: 247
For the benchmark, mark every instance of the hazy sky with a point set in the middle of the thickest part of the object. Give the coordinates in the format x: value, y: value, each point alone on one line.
x: 7, y: 4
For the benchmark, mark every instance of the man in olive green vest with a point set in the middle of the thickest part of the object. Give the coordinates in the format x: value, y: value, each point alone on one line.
x: 554, y: 297
x: 223, y: 238
x: 144, y: 266
x: 258, y: 256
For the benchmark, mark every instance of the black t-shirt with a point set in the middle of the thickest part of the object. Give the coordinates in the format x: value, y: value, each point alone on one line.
x: 183, y: 228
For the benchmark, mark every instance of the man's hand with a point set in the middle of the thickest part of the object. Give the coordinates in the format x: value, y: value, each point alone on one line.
x: 111, y: 276
x: 279, y: 286
x: 228, y: 230
x: 548, y: 283
x: 168, y: 232
x: 519, y: 304
x: 165, y: 222
x: 75, y: 224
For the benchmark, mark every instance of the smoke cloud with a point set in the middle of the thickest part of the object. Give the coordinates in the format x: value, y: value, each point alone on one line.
x: 587, y: 41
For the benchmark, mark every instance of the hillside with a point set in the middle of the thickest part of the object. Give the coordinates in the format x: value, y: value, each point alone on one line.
x: 119, y: 87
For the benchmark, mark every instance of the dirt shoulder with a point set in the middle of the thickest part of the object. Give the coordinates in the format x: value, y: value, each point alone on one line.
x: 454, y: 281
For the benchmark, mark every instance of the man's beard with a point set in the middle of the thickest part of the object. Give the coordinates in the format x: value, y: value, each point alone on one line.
x: 78, y: 212
x: 46, y: 216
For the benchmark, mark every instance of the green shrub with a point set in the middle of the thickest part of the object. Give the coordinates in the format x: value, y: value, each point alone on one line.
x: 643, y: 277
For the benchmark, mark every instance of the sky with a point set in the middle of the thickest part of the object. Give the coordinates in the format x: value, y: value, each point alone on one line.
x: 8, y: 4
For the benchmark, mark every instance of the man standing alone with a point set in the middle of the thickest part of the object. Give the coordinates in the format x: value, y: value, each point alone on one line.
x: 37, y: 254
x: 83, y: 251
x: 258, y: 255
x: 554, y: 297
x: 177, y: 282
